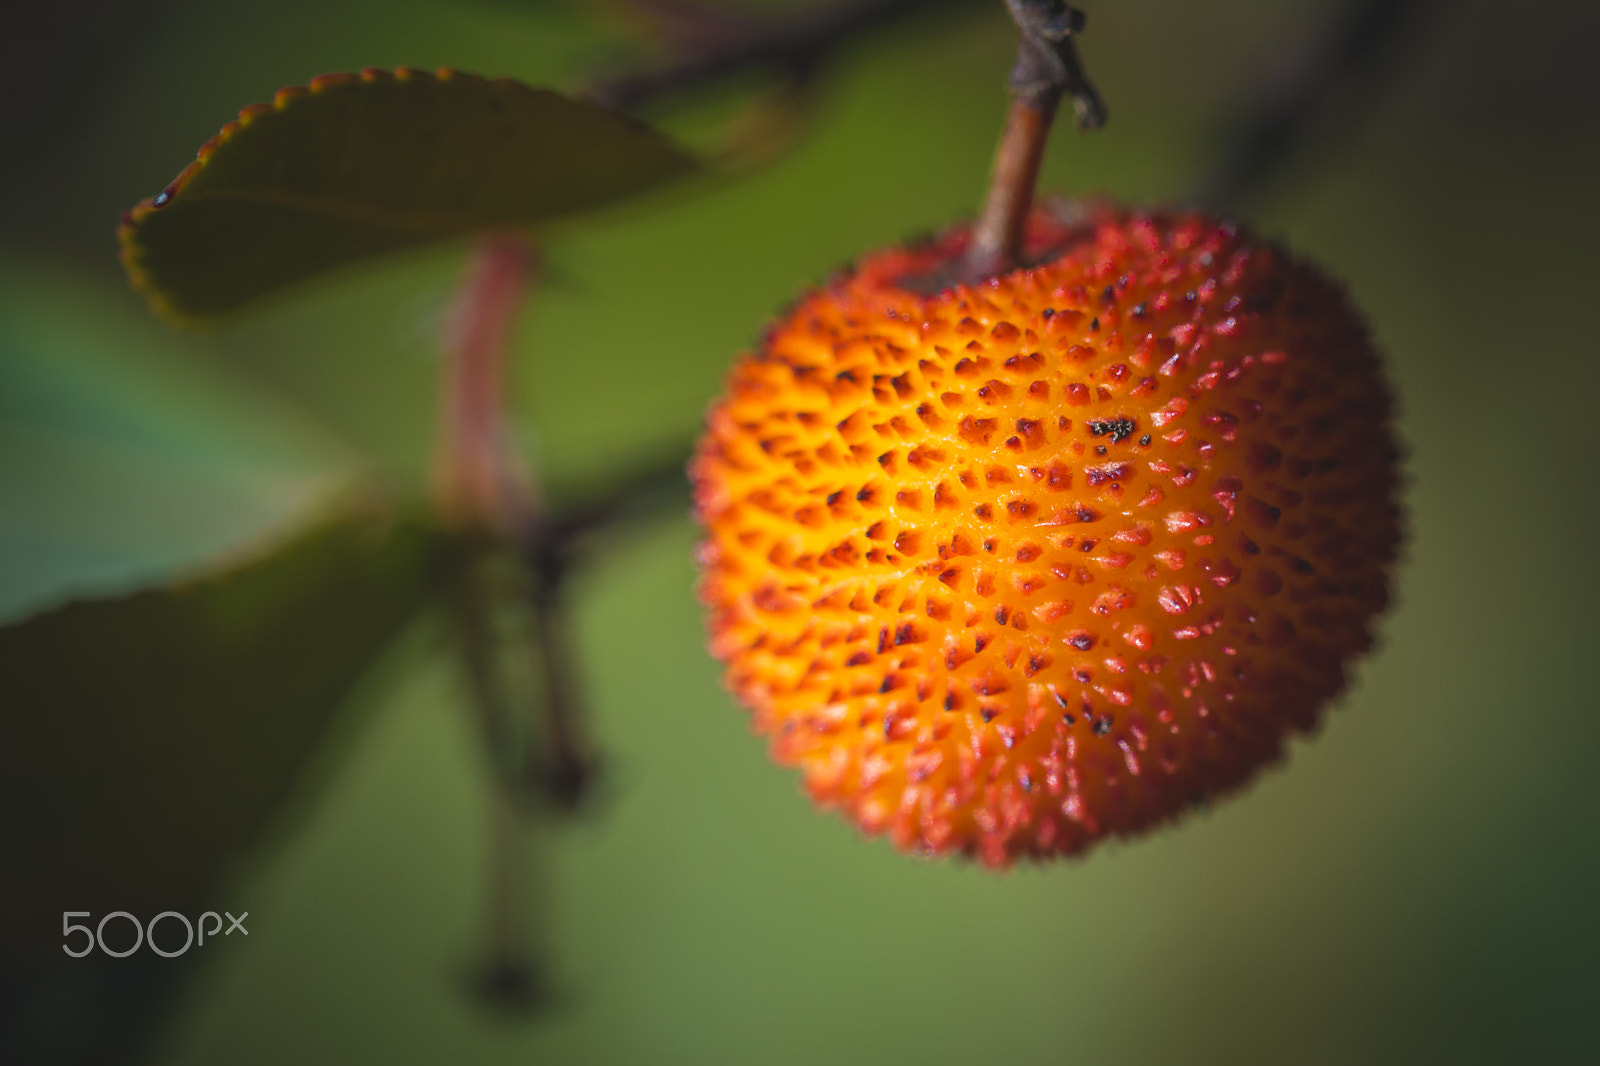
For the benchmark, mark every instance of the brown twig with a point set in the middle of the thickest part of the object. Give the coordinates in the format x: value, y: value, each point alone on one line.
x: 1348, y: 57
x: 485, y: 495
x: 510, y: 977
x: 799, y: 41
x: 496, y: 510
x: 997, y: 236
x: 567, y: 768
x: 489, y: 695
x: 505, y: 976
x: 1047, y: 69
x: 651, y: 487
x: 687, y: 27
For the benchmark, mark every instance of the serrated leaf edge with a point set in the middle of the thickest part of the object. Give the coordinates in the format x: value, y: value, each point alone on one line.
x: 129, y: 249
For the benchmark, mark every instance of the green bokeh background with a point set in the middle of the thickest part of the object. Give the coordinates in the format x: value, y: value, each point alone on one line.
x: 1417, y: 884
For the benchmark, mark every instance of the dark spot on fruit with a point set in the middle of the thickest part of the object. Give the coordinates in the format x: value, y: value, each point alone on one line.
x: 988, y: 715
x: 1100, y: 449
x: 883, y: 640
x: 1145, y: 440
x: 1102, y: 725
x: 1094, y: 324
x: 1081, y: 641
x: 1139, y: 310
x: 1120, y: 428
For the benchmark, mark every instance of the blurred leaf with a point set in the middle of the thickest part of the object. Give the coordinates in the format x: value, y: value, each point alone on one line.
x: 126, y: 455
x: 360, y: 164
x: 147, y: 742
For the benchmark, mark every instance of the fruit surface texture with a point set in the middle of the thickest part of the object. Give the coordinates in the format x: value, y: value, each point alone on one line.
x: 1010, y: 567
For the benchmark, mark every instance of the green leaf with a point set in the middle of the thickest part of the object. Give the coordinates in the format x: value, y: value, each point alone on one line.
x: 128, y: 455
x: 355, y: 165
x: 148, y: 742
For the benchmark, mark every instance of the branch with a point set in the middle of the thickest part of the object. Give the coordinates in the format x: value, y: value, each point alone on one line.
x: 478, y: 482
x: 1353, y: 51
x: 800, y: 41
x: 652, y: 486
x: 549, y: 550
x: 510, y: 978
x: 1047, y: 60
x: 1047, y: 68
x: 567, y: 768
x: 492, y: 501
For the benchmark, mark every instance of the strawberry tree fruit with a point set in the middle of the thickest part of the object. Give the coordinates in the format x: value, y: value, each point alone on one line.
x: 1009, y: 567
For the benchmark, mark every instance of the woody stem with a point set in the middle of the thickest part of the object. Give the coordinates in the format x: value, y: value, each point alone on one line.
x: 1047, y: 68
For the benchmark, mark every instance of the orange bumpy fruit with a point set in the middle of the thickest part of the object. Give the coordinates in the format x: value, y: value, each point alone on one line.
x: 1008, y: 568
